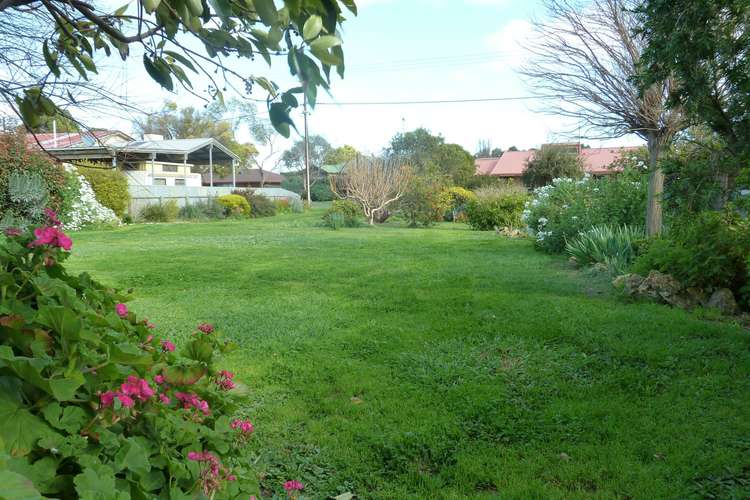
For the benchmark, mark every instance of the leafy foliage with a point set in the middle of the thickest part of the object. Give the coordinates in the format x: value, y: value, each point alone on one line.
x: 160, y: 212
x: 707, y: 250
x: 109, y: 184
x: 235, y: 204
x: 424, y: 202
x: 560, y: 211
x: 168, y: 31
x: 95, y: 402
x: 457, y: 199
x: 343, y: 213
x: 429, y: 155
x: 260, y: 206
x: 552, y: 162
x: 612, y: 246
x: 497, y: 208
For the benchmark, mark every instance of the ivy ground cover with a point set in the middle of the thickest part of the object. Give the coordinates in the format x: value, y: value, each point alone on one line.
x: 441, y: 363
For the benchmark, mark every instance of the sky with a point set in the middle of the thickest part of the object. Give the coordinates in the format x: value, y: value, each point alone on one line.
x: 405, y: 50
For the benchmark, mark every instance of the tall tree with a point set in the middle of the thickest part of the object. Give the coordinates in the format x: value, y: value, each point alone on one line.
x: 428, y: 154
x: 549, y: 163
x: 50, y: 50
x: 341, y: 154
x: 589, y: 55
x: 294, y: 158
x: 705, y: 44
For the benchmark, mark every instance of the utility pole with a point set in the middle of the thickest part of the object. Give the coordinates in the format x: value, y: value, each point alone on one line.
x: 307, y: 145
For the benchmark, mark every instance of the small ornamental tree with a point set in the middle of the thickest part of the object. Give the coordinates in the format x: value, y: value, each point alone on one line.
x: 94, y: 401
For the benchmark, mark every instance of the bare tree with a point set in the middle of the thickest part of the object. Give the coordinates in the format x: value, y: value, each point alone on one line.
x: 374, y: 183
x: 588, y: 56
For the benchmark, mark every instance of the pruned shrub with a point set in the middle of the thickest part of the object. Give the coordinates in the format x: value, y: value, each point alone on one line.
x: 235, y: 205
x: 615, y: 247
x: 260, y: 205
x: 109, y: 184
x: 160, y: 212
x: 343, y: 213
x: 96, y: 402
x: 497, y: 207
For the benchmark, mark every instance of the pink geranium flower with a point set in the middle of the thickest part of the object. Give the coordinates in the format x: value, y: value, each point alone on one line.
x: 191, y: 400
x: 51, y: 236
x: 52, y: 216
x: 167, y: 346
x: 107, y: 398
x: 126, y: 400
x: 164, y: 399
x: 159, y: 379
x: 224, y: 380
x: 121, y: 310
x: 206, y: 327
x: 244, y: 426
x: 290, y: 486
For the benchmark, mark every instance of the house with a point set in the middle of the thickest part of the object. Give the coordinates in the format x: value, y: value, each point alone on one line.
x: 248, y: 178
x: 596, y: 161
x: 153, y: 161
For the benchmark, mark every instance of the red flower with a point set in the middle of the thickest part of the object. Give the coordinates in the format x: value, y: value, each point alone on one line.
x: 51, y: 236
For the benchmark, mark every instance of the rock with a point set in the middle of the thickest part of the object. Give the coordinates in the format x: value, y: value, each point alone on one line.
x: 660, y: 287
x: 628, y: 283
x: 723, y: 300
x: 573, y: 261
x: 600, y: 267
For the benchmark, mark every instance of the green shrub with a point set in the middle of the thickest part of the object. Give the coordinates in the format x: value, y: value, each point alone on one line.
x: 497, y: 207
x: 202, y: 210
x: 235, y: 204
x: 109, y: 184
x: 260, y: 205
x: 708, y: 250
x: 423, y: 202
x: 560, y: 211
x: 282, y: 206
x: 552, y: 162
x: 613, y: 247
x: 343, y: 213
x: 321, y: 191
x: 296, y: 206
x: 96, y: 402
x: 25, y: 166
x: 457, y: 199
x: 160, y: 212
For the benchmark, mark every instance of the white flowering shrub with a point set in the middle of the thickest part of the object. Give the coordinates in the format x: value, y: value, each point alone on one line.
x: 560, y: 211
x: 83, y: 209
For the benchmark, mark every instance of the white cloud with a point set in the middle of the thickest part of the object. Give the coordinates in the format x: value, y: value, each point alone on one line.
x: 511, y: 38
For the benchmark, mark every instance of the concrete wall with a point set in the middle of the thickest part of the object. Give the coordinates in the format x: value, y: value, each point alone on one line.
x: 143, y: 195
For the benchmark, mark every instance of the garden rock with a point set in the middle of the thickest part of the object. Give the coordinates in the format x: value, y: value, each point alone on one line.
x: 660, y: 287
x: 628, y: 283
x: 723, y: 300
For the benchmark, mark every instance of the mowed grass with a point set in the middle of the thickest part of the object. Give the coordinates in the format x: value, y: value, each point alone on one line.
x: 444, y: 363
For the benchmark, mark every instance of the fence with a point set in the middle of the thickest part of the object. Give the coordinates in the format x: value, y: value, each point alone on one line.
x: 142, y: 196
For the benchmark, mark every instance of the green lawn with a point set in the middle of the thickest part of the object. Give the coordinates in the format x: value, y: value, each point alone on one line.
x: 444, y: 363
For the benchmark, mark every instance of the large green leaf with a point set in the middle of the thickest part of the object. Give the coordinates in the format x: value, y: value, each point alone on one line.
x: 266, y: 11
x: 132, y: 456
x: 199, y: 350
x: 14, y: 486
x: 62, y: 320
x: 183, y: 375
x: 70, y: 418
x: 97, y: 482
x: 20, y: 429
x: 30, y: 370
x: 312, y: 27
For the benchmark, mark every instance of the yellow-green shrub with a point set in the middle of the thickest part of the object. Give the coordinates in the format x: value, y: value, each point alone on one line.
x: 109, y: 184
x: 235, y: 204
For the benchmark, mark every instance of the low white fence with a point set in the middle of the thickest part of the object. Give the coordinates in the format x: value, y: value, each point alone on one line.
x: 142, y: 196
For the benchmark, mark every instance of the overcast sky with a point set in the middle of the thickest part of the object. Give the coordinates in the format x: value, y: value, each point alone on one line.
x: 407, y: 50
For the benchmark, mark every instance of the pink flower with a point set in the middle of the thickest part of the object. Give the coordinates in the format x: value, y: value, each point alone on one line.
x: 126, y: 400
x: 52, y: 216
x: 195, y: 456
x: 245, y: 426
x: 190, y: 400
x: 149, y: 339
x: 206, y: 328
x: 150, y: 325
x: 224, y: 380
x: 51, y: 236
x: 167, y: 346
x: 231, y: 477
x: 13, y: 231
x: 107, y: 398
x: 137, y: 387
x: 159, y: 379
x: 164, y: 398
x: 122, y: 310
x: 293, y: 486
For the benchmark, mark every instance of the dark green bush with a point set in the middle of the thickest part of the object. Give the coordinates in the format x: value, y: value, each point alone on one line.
x: 321, y: 191
x: 260, y: 205
x: 109, y: 184
x: 708, y: 250
x: 423, y: 203
x: 160, y: 212
x: 497, y: 207
x: 343, y: 213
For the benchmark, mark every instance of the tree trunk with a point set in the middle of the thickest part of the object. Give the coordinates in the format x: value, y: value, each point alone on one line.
x: 655, y: 188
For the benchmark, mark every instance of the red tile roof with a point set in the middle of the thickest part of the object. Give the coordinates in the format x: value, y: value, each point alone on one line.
x: 65, y: 139
x: 513, y: 163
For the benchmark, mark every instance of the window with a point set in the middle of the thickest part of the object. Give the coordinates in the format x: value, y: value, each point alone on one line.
x: 160, y: 181
x: 179, y: 182
x: 169, y: 168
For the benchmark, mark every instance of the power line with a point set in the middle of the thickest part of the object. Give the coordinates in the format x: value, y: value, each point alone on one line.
x: 439, y: 101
